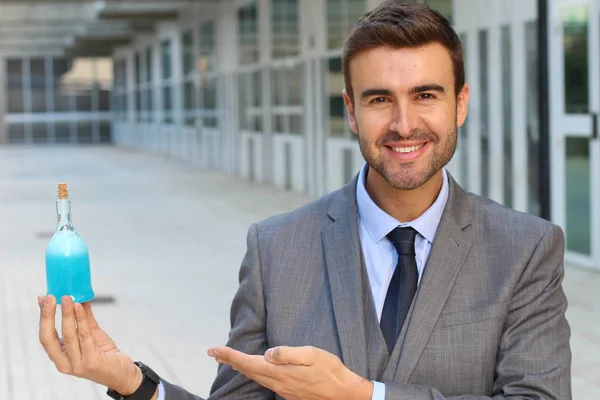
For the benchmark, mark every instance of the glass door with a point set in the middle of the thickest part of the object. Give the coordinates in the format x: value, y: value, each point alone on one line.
x: 575, y: 147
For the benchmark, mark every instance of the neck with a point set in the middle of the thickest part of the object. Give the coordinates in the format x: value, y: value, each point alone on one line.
x: 63, y: 215
x: 403, y: 205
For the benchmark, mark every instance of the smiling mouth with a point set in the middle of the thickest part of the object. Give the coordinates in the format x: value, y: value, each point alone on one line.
x: 408, y: 149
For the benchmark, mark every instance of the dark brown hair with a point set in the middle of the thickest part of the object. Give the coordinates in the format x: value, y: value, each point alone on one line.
x: 400, y: 24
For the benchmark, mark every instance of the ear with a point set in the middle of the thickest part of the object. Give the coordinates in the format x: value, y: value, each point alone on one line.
x: 350, y: 110
x: 462, y: 105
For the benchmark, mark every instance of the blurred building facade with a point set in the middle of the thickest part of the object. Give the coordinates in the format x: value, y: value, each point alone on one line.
x: 254, y: 87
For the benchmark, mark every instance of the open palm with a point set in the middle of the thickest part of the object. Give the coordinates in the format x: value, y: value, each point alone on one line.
x: 104, y: 343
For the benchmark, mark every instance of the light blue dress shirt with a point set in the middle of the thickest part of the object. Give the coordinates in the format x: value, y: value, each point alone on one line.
x: 379, y: 253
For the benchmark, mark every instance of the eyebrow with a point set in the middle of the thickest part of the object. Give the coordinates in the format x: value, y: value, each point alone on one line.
x: 375, y: 92
x: 432, y: 87
x: 427, y: 88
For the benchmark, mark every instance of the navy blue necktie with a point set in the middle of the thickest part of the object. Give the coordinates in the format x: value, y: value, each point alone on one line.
x: 402, y: 287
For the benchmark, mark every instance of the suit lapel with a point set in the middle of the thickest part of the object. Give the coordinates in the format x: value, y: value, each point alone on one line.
x: 342, y: 250
x: 448, y: 253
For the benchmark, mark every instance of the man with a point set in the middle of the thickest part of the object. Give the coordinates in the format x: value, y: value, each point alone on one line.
x: 400, y: 285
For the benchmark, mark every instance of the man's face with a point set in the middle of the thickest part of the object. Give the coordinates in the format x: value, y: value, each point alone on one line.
x: 405, y: 111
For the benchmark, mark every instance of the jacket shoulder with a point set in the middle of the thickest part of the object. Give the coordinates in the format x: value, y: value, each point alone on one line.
x: 515, y: 226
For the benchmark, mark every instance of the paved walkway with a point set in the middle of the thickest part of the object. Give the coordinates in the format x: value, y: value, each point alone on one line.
x: 165, y: 241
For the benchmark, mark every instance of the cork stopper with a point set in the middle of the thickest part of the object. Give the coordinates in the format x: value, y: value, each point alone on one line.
x: 62, y: 191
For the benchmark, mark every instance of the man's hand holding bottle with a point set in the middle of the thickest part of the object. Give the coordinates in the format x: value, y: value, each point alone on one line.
x: 85, y: 350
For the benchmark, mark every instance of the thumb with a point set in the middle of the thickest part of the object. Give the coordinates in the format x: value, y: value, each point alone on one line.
x: 283, y: 355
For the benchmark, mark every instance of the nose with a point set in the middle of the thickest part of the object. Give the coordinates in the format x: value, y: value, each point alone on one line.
x: 404, y: 119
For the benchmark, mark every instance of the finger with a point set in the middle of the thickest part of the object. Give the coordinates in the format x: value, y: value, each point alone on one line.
x: 69, y: 333
x: 244, y: 363
x: 255, y: 368
x: 86, y: 342
x: 87, y: 307
x: 267, y: 381
x: 283, y: 355
x: 41, y: 301
x: 49, y: 336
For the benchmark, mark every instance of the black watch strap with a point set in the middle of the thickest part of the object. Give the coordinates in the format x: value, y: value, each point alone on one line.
x: 145, y: 391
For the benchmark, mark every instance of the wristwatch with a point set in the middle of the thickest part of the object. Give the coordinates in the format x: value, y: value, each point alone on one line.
x: 145, y: 391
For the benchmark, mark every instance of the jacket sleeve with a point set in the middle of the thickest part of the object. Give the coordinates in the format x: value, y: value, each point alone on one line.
x: 247, y: 334
x: 534, y: 357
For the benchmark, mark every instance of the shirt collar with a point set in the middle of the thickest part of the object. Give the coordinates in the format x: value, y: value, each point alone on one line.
x: 378, y: 223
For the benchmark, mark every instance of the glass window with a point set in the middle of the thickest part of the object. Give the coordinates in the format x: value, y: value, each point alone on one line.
x: 507, y: 114
x: 60, y: 71
x: 149, y: 86
x: 138, y: 89
x: 149, y: 64
x: 38, y: 82
x: 105, y: 81
x: 187, y: 53
x: 138, y: 105
x: 341, y: 16
x: 188, y: 90
x: 250, y: 101
x: 83, y: 99
x: 248, y: 34
x: 104, y: 99
x: 189, y: 102
x: 207, y: 53
x: 14, y: 75
x: 337, y: 121
x: 209, y: 94
x: 166, y: 59
x: 288, y: 97
x: 82, y: 83
x: 278, y: 87
x: 575, y: 26
x: 105, y: 131
x: 285, y: 30
x: 150, y: 102
x: 57, y: 86
x: 167, y: 104
x: 167, y: 91
x: 120, y: 90
x: 62, y: 132
x: 209, y: 101
x: 16, y: 133
x: 84, y: 131
x: 577, y: 176
x: 138, y: 68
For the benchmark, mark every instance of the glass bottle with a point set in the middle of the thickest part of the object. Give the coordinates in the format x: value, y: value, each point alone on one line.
x: 67, y: 259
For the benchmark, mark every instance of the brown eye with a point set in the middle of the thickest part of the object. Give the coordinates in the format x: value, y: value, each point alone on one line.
x: 426, y: 96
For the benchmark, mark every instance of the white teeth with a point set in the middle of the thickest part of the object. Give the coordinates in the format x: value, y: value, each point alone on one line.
x: 407, y: 149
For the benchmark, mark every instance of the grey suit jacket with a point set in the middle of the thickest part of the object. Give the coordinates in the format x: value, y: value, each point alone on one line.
x: 488, y: 320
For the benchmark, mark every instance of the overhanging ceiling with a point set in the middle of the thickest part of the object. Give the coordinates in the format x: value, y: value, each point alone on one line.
x: 81, y: 27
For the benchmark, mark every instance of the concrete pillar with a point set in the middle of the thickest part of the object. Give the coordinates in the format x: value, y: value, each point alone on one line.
x: 227, y: 60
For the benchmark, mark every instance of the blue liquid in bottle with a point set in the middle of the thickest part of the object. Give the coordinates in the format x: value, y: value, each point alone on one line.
x: 67, y: 259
